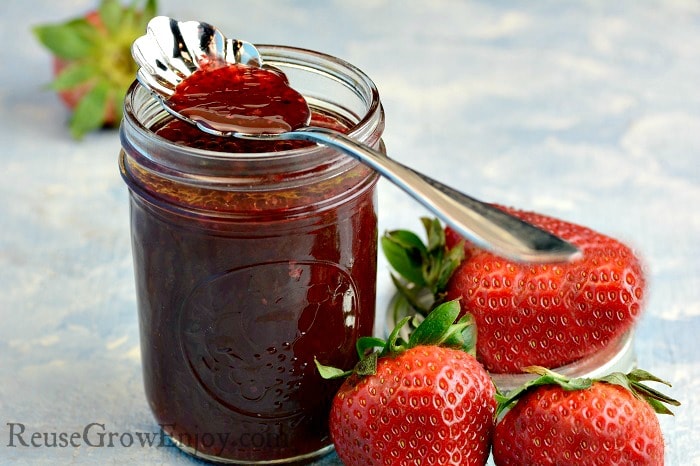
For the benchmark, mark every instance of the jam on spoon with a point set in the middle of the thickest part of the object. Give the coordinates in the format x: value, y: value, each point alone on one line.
x: 240, y: 98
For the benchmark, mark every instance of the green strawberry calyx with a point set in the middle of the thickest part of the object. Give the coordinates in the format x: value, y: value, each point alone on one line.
x: 95, y: 55
x: 423, y: 268
x: 439, y: 328
x: 632, y: 381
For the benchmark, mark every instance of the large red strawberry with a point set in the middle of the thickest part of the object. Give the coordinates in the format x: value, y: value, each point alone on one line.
x: 526, y: 314
x: 92, y: 61
x: 551, y: 314
x: 582, y: 422
x: 416, y: 402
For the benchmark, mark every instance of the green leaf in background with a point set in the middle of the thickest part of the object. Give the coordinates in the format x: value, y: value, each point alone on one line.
x: 73, y: 75
x: 451, y: 259
x: 150, y: 9
x: 111, y: 13
x: 424, y: 268
x: 70, y: 41
x: 434, y: 233
x: 90, y: 110
x: 405, y: 252
x: 92, y: 63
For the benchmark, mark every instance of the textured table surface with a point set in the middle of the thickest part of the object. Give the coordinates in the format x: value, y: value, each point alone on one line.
x: 589, y: 111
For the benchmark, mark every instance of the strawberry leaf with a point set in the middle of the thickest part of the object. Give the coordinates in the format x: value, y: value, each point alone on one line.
x: 131, y: 18
x: 640, y: 375
x: 394, y: 344
x: 408, y: 295
x: 365, y: 344
x: 406, y: 253
x: 73, y: 75
x: 71, y: 41
x: 462, y: 335
x: 150, y: 9
x: 90, y: 111
x: 631, y: 381
x: 424, y: 268
x: 329, y: 372
x: 546, y: 377
x: 434, y: 233
x: 140, y: 18
x: 438, y: 329
x: 452, y: 259
x: 433, y: 329
x: 111, y: 14
x: 94, y: 50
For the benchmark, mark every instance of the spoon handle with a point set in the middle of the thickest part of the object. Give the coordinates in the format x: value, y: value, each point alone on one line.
x: 483, y: 224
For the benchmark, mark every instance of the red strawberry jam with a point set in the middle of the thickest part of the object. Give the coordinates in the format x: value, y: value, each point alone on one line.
x: 240, y: 98
x: 251, y: 258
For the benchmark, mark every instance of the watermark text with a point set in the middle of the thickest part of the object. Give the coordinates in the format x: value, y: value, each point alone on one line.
x: 97, y: 435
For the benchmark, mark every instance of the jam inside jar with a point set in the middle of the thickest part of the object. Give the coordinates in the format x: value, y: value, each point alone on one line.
x: 251, y: 259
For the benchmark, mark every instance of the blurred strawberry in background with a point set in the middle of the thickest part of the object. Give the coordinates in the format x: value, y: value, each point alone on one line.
x: 92, y: 62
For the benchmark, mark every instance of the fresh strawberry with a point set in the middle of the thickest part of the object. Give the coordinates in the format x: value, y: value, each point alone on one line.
x: 552, y: 314
x: 526, y: 314
x: 92, y: 61
x: 426, y: 401
x: 557, y: 421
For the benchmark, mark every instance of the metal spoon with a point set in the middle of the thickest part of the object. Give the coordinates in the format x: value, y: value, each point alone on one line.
x: 172, y: 50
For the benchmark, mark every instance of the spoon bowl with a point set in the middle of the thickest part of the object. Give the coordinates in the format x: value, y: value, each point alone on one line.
x: 171, y: 51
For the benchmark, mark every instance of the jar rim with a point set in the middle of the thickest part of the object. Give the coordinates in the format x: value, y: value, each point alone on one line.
x: 295, y: 57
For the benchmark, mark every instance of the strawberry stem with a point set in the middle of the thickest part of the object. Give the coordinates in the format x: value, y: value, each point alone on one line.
x: 423, y: 268
x: 631, y: 381
x: 438, y: 328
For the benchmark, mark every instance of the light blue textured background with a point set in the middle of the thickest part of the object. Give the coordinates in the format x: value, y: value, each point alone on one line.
x: 588, y: 110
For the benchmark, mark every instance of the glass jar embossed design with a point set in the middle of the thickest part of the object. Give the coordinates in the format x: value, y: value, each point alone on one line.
x: 249, y: 261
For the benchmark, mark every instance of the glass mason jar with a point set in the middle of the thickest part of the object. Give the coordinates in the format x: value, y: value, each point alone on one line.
x: 250, y: 261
